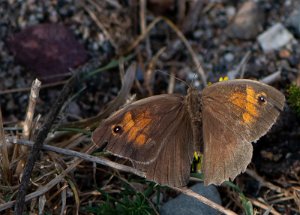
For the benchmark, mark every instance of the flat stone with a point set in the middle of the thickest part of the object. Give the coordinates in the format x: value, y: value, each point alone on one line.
x: 247, y: 23
x: 186, y: 205
x: 275, y: 38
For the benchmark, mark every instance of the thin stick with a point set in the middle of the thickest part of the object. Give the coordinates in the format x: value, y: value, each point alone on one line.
x: 150, y: 70
x: 206, y: 201
x: 171, y: 82
x: 264, y: 206
x: 34, y: 94
x: 26, y: 89
x: 263, y: 182
x: 143, y: 16
x: 43, y: 189
x: 98, y: 22
x: 120, y: 167
x: 83, y: 156
x: 182, y: 38
x: 41, y: 136
x: 4, y: 152
x: 276, y: 76
x: 242, y: 65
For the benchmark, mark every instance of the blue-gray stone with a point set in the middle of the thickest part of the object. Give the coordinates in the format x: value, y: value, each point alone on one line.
x: 184, y: 204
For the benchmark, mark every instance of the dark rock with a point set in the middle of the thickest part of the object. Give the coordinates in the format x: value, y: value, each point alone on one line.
x: 183, y: 204
x: 47, y: 50
x: 294, y: 22
x: 247, y: 23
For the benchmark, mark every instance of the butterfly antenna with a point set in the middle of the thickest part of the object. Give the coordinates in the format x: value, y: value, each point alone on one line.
x: 194, y: 70
x: 178, y: 79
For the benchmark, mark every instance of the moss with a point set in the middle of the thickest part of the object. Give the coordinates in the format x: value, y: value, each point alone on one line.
x: 294, y: 98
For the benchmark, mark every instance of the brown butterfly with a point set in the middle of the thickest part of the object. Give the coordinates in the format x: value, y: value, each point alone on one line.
x: 159, y: 134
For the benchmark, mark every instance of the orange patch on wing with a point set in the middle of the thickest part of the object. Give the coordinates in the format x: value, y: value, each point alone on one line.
x: 246, y: 101
x: 127, y: 122
x: 141, y: 139
x: 136, y: 127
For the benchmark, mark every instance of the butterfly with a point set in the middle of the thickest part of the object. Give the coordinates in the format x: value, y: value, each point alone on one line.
x: 159, y: 134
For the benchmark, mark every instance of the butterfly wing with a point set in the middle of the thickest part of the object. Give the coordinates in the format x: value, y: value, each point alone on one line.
x: 154, y: 133
x: 235, y: 113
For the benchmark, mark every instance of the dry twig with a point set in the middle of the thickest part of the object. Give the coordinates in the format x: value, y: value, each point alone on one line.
x: 4, y: 153
x: 34, y: 94
x: 39, y: 140
x: 182, y: 38
x: 122, y: 168
x: 206, y: 201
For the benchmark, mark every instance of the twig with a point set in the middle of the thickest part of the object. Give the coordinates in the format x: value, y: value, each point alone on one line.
x: 206, y: 201
x: 143, y: 16
x: 263, y: 182
x: 113, y: 105
x: 120, y: 167
x: 26, y: 89
x: 171, y: 81
x: 4, y: 152
x: 45, y: 188
x: 98, y: 22
x: 83, y: 156
x: 191, y: 18
x: 143, y: 25
x: 39, y: 140
x: 182, y: 38
x: 276, y: 76
x: 34, y: 94
x: 114, y: 3
x: 240, y: 68
x: 190, y: 49
x: 264, y: 206
x: 150, y: 71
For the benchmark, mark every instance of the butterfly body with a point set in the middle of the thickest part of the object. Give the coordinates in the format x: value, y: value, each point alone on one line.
x: 159, y: 134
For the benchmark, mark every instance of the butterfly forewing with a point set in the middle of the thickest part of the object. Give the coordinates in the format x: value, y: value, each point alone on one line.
x: 154, y: 133
x: 235, y: 113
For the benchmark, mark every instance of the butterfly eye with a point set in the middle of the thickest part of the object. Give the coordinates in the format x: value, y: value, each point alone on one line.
x: 262, y: 99
x: 117, y: 129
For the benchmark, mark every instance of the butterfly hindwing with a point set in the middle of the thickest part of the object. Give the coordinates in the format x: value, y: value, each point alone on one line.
x: 235, y: 113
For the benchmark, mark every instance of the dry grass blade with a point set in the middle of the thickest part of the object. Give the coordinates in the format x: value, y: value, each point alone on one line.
x: 84, y: 156
x: 206, y: 201
x: 39, y: 140
x: 25, y: 90
x: 34, y: 94
x: 113, y: 105
x: 264, y: 206
x: 276, y: 76
x: 98, y: 22
x: 44, y: 189
x: 126, y: 169
x: 263, y: 182
x: 5, y: 173
x: 181, y: 37
x: 150, y: 70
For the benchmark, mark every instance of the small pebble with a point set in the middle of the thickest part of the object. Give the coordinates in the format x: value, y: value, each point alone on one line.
x: 229, y: 57
x: 284, y: 53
